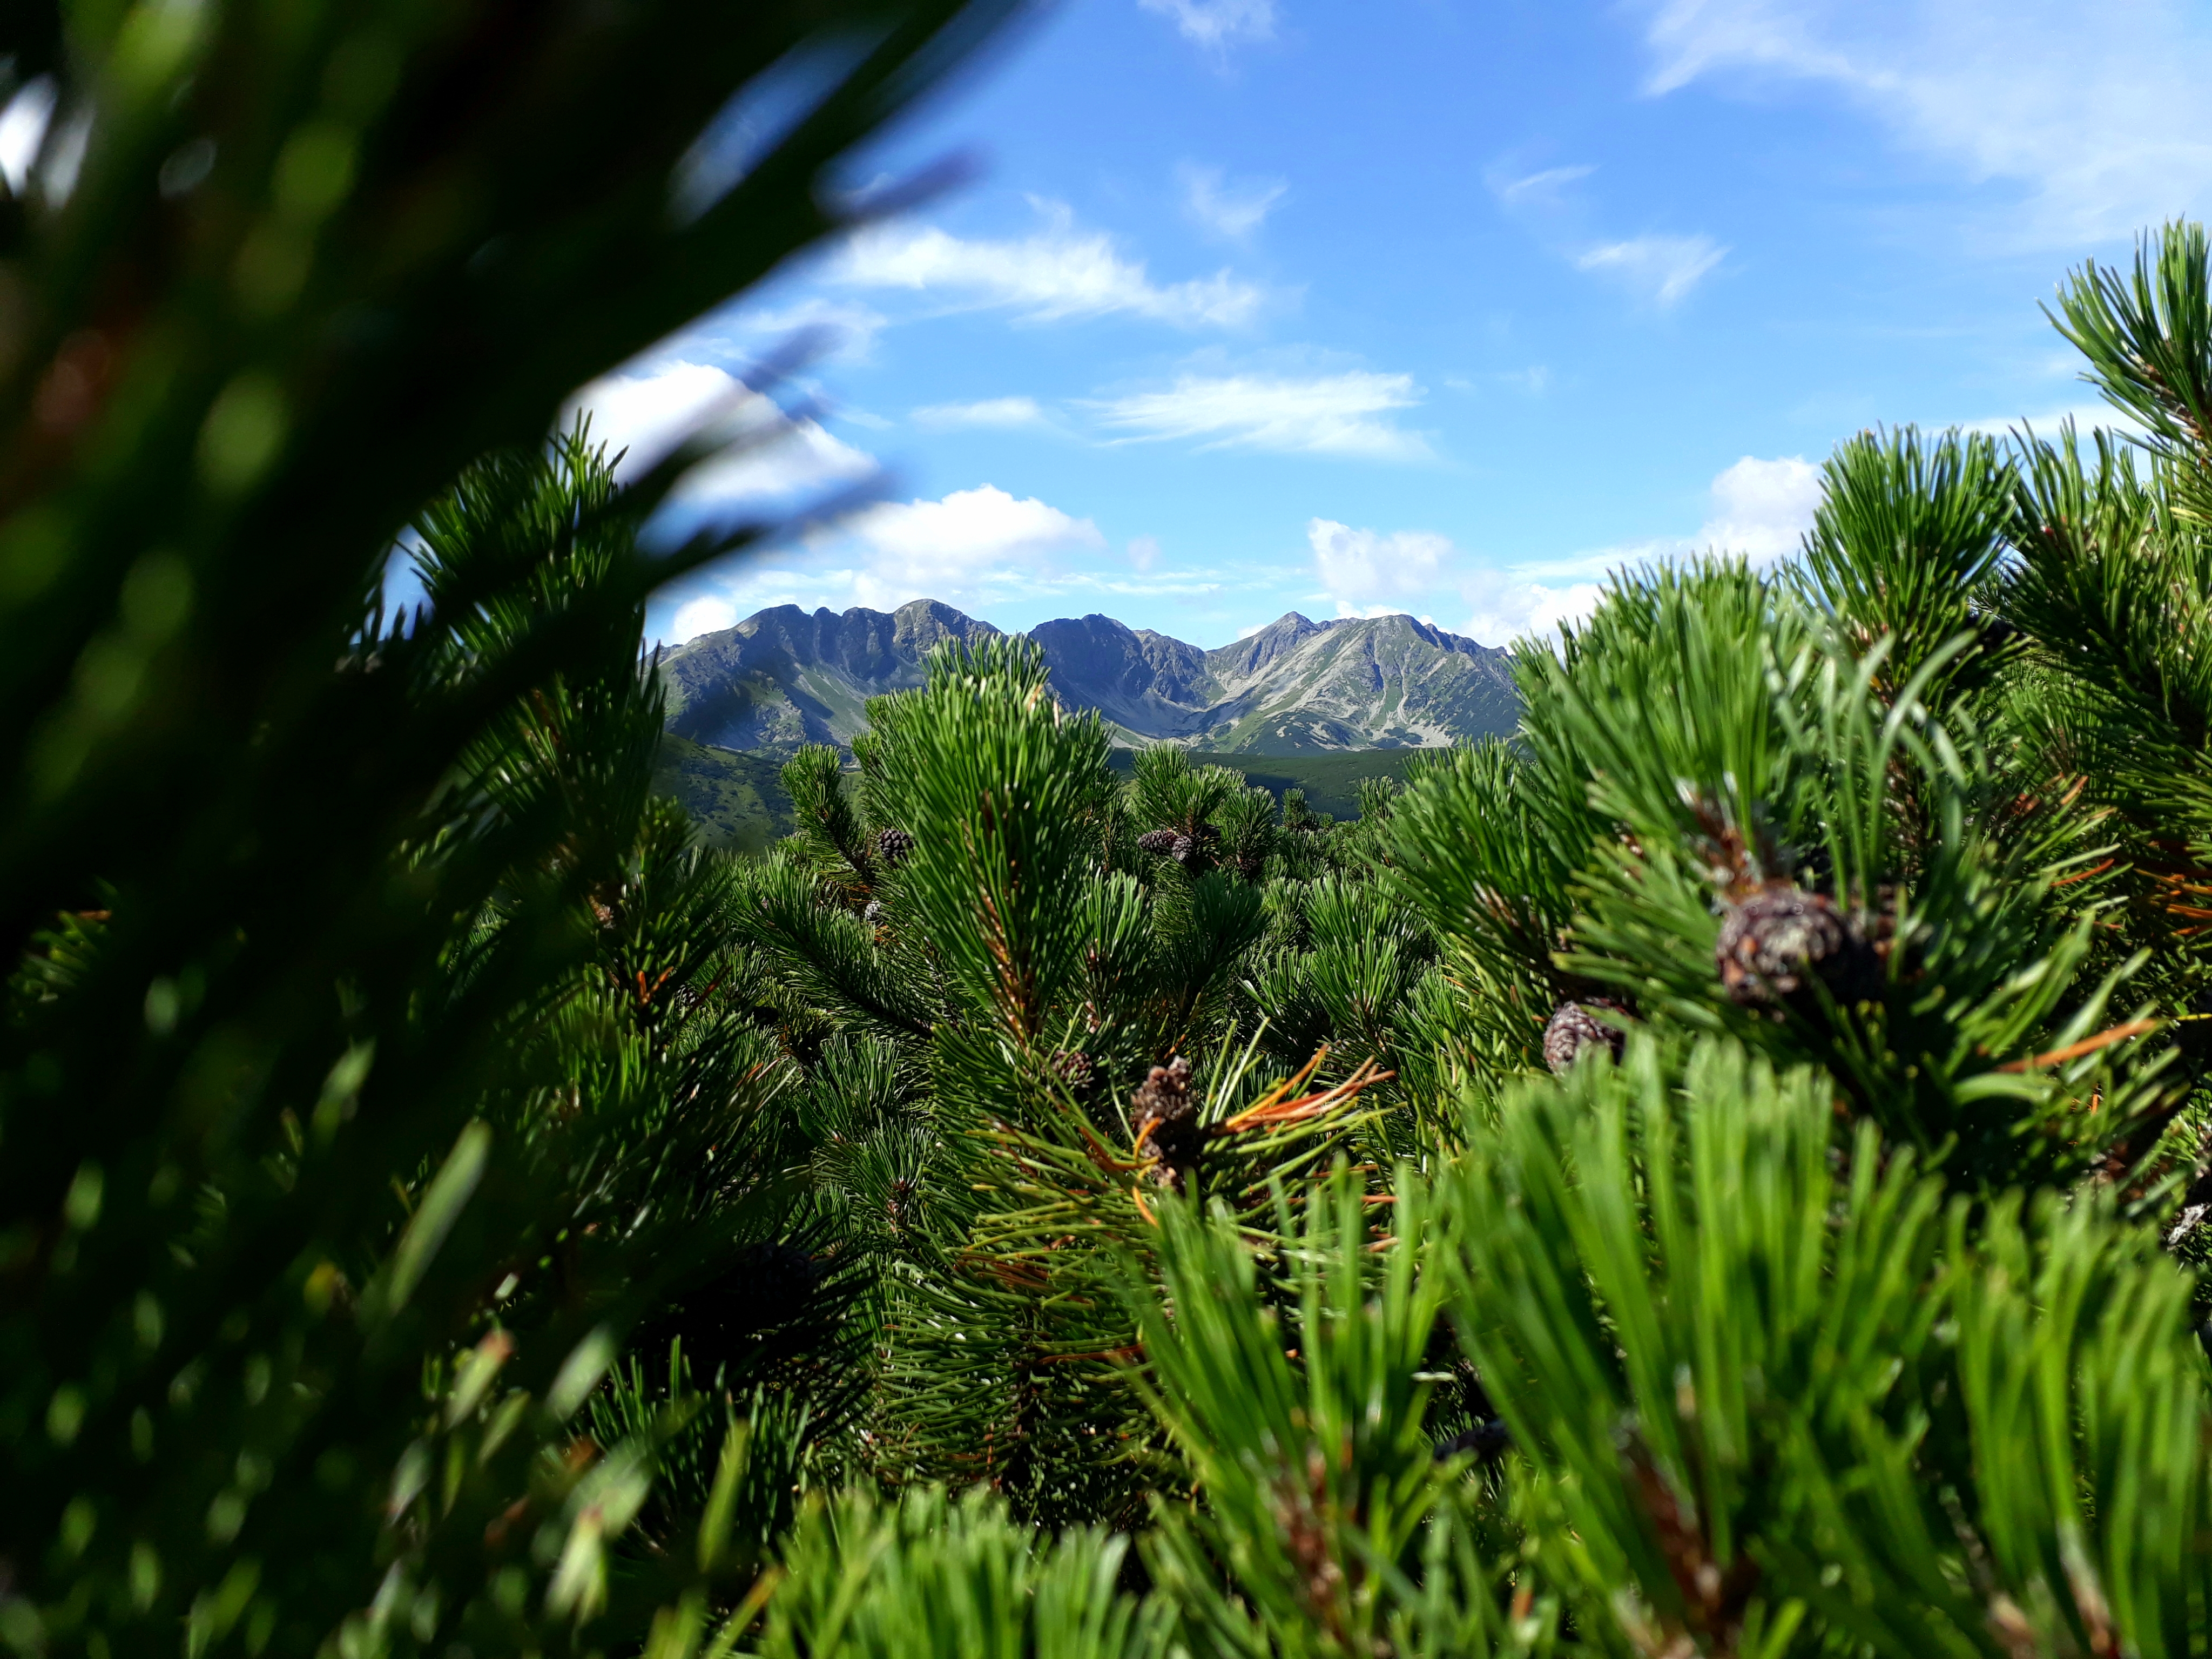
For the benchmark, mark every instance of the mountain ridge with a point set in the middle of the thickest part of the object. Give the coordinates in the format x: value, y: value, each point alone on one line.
x: 783, y: 676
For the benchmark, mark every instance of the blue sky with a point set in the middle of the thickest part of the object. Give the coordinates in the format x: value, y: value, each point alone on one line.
x: 1445, y: 308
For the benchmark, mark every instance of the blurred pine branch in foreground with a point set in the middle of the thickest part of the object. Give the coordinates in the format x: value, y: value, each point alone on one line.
x: 360, y: 1090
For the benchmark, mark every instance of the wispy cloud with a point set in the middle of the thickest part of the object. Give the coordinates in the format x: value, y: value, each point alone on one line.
x: 1662, y: 270
x: 1657, y: 269
x: 1343, y: 414
x: 842, y: 329
x: 1231, y: 208
x: 1004, y: 414
x: 2096, y: 114
x: 1059, y: 272
x: 1218, y: 23
x: 1533, y: 189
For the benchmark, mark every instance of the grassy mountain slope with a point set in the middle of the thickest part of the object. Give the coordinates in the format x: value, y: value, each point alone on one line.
x: 737, y: 800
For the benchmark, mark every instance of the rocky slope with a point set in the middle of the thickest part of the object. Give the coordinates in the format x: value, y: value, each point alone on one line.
x: 784, y: 678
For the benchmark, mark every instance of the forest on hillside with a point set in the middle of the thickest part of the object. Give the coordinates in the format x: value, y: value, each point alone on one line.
x: 1722, y: 1171
x: 737, y: 799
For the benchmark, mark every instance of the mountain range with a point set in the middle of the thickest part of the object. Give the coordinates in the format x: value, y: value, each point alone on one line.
x: 787, y: 677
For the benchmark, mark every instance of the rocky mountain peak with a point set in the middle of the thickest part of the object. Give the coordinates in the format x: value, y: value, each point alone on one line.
x: 787, y: 677
x: 1251, y: 654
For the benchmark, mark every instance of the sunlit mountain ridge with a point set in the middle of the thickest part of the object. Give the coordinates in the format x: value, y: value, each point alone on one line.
x: 787, y: 677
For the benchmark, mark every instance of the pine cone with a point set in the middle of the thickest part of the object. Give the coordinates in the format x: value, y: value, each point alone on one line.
x: 1165, y: 1118
x: 893, y: 845
x: 1772, y: 943
x: 873, y: 915
x: 899, y: 1199
x: 1075, y: 1068
x: 1573, y: 1029
x: 1157, y: 841
x: 1183, y: 850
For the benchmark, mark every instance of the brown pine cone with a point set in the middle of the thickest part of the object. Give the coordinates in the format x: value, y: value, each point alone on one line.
x: 1776, y: 942
x: 893, y: 845
x: 1184, y: 850
x: 1573, y: 1028
x: 1165, y: 1118
x: 1157, y: 841
x: 1075, y: 1067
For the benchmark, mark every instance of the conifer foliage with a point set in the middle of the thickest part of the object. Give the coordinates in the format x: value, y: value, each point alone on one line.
x: 375, y: 1056
x: 1751, y: 1141
x: 1719, y: 1173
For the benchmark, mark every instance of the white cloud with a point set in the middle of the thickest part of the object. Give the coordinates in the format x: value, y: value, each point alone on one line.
x: 1057, y: 273
x: 1758, y: 508
x: 936, y: 549
x: 710, y: 613
x: 774, y: 461
x: 1534, y: 189
x: 2096, y: 114
x: 976, y: 548
x: 1761, y: 508
x: 977, y: 525
x: 1506, y: 606
x: 1004, y: 413
x: 1659, y: 269
x: 1143, y: 551
x: 1344, y: 414
x: 1359, y: 567
x: 1219, y: 23
x: 1230, y: 207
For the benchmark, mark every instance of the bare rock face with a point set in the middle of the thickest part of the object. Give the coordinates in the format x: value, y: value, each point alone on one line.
x: 785, y: 678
